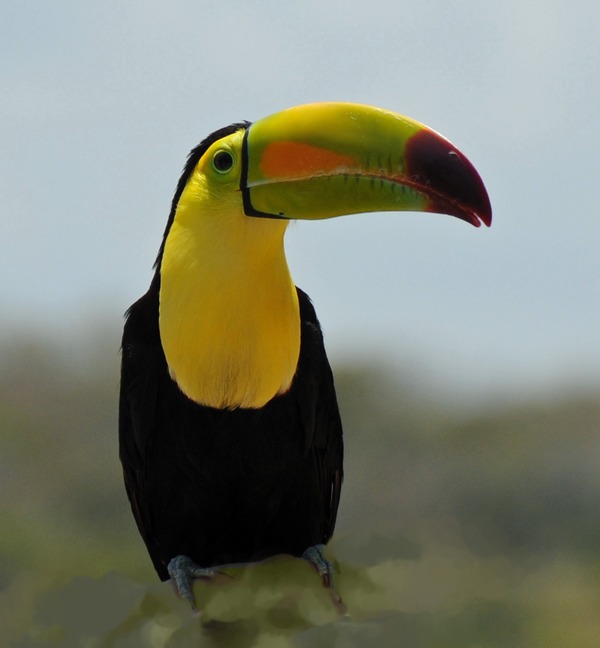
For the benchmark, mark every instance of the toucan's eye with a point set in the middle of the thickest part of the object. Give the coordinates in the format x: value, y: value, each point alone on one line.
x: 222, y: 161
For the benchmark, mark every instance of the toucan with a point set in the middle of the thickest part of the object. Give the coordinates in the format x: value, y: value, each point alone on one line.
x: 230, y: 435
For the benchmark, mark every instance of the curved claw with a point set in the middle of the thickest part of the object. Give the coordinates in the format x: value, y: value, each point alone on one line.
x: 182, y: 571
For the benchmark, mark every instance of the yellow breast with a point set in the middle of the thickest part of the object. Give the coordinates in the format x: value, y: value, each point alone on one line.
x: 229, y: 316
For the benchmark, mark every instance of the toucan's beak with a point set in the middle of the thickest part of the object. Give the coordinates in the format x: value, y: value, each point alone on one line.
x: 329, y: 159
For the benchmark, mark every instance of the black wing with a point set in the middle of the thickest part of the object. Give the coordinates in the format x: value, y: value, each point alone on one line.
x: 318, y: 404
x: 140, y: 366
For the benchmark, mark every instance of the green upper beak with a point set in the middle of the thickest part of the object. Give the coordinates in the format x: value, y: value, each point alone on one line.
x: 328, y: 159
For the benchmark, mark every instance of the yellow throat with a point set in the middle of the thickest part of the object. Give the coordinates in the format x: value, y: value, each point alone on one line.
x: 229, y: 316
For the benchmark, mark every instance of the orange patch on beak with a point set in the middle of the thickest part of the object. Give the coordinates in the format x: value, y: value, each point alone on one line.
x: 298, y: 160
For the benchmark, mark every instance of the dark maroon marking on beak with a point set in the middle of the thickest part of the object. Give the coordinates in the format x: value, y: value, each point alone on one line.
x: 449, y: 180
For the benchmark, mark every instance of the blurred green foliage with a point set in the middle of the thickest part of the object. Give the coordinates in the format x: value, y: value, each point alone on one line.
x: 457, y: 528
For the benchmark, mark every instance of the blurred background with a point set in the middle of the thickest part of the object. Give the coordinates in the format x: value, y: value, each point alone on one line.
x: 467, y: 361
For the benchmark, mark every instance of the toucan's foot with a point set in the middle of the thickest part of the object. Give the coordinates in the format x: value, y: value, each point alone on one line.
x: 315, y: 557
x: 183, y: 571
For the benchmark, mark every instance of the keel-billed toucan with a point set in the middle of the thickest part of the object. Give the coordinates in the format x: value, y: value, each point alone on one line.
x: 230, y: 435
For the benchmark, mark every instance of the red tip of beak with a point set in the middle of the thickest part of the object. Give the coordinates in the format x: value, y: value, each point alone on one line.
x: 443, y: 173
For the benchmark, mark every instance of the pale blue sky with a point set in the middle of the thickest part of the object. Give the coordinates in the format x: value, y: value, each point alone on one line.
x: 102, y: 101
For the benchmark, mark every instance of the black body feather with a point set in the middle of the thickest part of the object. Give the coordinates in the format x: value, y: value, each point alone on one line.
x: 225, y: 486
